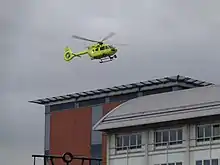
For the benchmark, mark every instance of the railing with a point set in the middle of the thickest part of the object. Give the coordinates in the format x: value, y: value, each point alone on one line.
x: 66, y: 157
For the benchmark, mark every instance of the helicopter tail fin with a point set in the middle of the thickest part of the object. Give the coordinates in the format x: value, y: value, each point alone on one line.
x: 68, y: 54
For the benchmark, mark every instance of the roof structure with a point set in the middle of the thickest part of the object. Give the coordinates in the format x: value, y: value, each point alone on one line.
x: 170, y: 106
x: 122, y: 89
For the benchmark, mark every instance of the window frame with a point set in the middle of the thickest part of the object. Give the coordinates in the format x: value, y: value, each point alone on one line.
x: 136, y: 146
x: 169, y: 163
x: 205, y: 138
x: 202, y: 162
x: 169, y: 142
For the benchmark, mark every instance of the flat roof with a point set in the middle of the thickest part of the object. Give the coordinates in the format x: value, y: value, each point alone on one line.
x: 151, y: 84
x: 164, y: 107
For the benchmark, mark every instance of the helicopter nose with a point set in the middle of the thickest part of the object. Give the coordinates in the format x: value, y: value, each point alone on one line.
x: 114, y: 50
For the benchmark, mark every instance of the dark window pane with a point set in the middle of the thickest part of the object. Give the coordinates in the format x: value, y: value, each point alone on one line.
x: 216, y: 130
x: 178, y: 163
x: 133, y: 140
x: 139, y: 141
x: 165, y: 136
x: 125, y: 141
x: 96, y: 150
x: 158, y: 137
x: 173, y: 135
x: 200, y: 132
x: 214, y: 161
x: 180, y: 135
x: 171, y: 163
x: 199, y: 162
x: 118, y: 142
x: 208, y: 131
x: 206, y: 162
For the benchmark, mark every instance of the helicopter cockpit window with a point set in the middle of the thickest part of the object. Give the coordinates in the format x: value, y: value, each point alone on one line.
x: 102, y: 48
x: 97, y: 49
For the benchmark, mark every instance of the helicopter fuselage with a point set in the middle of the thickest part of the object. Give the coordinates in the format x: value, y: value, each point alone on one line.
x: 101, y: 51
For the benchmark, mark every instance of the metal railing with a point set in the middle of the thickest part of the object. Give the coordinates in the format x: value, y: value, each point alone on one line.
x: 66, y: 157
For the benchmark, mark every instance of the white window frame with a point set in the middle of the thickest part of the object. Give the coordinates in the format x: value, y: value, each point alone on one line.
x: 123, y: 148
x: 208, y: 138
x: 170, y: 163
x: 169, y: 142
x: 210, y: 161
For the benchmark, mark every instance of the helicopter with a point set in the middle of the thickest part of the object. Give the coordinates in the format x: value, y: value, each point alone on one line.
x: 97, y: 51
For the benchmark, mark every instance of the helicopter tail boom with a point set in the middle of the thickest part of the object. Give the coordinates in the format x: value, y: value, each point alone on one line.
x: 69, y: 55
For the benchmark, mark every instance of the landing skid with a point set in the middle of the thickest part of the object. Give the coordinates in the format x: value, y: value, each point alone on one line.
x: 107, y: 59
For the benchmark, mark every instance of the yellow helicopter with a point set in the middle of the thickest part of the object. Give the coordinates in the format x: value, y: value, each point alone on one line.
x: 98, y: 51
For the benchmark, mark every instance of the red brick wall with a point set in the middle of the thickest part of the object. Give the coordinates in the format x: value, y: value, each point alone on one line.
x: 71, y: 131
x: 106, y: 109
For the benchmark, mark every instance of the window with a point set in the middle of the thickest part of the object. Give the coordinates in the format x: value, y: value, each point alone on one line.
x: 207, y: 162
x: 205, y: 132
x: 130, y: 141
x: 170, y: 136
x: 173, y: 163
x: 102, y: 48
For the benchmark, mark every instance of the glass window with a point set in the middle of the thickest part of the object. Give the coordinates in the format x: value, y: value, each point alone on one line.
x: 173, y: 136
x: 165, y: 136
x: 199, y: 162
x: 208, y: 131
x: 206, y: 162
x: 216, y: 132
x: 158, y: 137
x: 119, y: 142
x: 214, y: 161
x: 129, y: 141
x: 171, y: 163
x: 178, y: 163
x: 125, y: 141
x: 133, y: 140
x: 205, y: 132
x: 200, y: 132
x: 139, y: 141
x: 180, y: 136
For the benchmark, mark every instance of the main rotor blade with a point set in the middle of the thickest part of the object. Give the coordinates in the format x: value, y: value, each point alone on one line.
x: 121, y: 44
x: 82, y: 38
x: 108, y: 36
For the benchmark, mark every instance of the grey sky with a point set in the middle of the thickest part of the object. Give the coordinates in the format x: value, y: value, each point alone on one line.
x: 165, y: 38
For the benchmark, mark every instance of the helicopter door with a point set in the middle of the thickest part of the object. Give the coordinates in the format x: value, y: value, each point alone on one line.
x: 102, y: 48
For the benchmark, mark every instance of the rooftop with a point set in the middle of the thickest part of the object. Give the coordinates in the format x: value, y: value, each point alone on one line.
x: 170, y: 106
x: 124, y: 89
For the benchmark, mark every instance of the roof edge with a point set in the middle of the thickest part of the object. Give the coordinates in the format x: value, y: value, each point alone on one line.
x: 156, y: 81
x: 106, y: 115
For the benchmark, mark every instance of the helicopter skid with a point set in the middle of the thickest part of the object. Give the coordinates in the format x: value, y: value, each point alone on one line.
x: 107, y: 59
x: 104, y: 61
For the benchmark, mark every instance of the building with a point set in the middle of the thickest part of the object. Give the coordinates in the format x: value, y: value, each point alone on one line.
x: 173, y: 128
x: 69, y: 119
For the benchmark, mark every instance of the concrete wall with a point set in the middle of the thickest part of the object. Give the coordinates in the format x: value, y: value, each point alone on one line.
x: 188, y: 152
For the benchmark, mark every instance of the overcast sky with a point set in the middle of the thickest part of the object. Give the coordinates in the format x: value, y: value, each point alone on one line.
x: 165, y: 38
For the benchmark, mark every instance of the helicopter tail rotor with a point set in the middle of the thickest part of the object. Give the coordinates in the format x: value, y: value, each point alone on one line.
x: 68, y: 54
